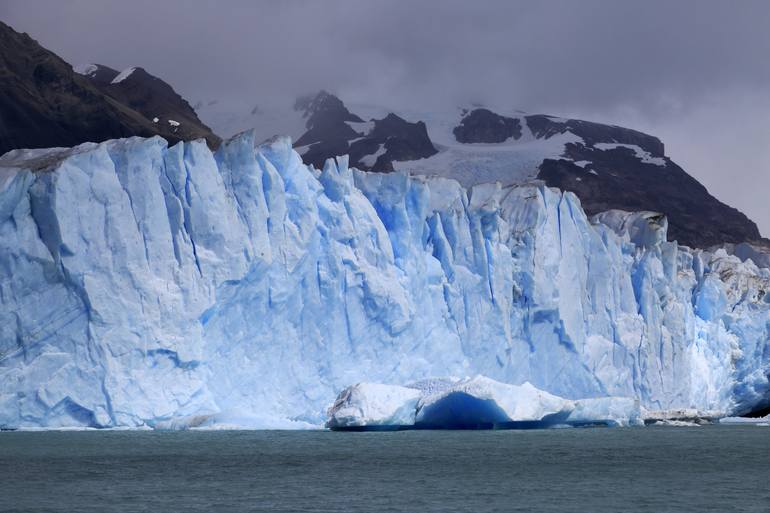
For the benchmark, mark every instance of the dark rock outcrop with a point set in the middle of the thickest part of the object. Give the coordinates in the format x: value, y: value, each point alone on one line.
x: 327, y: 119
x: 396, y: 140
x: 332, y: 131
x: 155, y: 100
x: 484, y: 126
x: 46, y: 104
x: 99, y: 74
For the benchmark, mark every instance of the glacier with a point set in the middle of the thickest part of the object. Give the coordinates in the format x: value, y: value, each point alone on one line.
x: 143, y: 285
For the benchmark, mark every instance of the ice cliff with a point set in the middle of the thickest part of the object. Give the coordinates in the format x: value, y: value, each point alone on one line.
x: 142, y: 285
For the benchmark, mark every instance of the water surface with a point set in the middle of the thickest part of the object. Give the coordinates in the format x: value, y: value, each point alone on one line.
x: 706, y: 469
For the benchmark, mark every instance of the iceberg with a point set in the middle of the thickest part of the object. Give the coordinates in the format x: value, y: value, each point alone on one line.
x: 143, y: 285
x: 472, y: 403
x: 374, y: 405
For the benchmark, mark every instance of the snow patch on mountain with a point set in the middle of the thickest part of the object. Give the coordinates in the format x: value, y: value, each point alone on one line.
x: 641, y: 154
x: 369, y: 160
x: 86, y: 69
x: 123, y: 75
x: 362, y: 128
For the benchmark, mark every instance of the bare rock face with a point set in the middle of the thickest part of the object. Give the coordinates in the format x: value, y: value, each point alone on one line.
x: 484, y: 126
x: 327, y: 120
x: 333, y: 130
x: 99, y: 74
x: 46, y: 104
x: 156, y: 100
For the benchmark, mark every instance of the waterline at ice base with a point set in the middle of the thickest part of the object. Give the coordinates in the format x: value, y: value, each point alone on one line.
x: 147, y: 286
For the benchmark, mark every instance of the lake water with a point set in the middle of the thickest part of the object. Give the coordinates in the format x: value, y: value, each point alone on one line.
x: 655, y: 469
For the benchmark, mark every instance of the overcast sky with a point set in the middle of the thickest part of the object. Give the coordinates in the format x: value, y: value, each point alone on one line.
x: 695, y: 73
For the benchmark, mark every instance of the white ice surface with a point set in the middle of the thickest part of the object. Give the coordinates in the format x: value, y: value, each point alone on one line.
x: 141, y: 284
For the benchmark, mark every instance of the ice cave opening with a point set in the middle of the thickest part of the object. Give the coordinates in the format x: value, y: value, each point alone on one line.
x: 459, y: 410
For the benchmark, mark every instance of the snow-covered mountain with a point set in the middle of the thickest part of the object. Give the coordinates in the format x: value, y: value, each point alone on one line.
x: 142, y: 285
x: 607, y: 167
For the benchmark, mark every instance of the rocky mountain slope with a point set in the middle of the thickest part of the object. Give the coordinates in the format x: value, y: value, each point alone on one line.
x: 153, y: 98
x: 618, y: 168
x: 46, y: 104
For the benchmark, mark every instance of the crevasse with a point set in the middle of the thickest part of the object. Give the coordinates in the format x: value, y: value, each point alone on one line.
x: 142, y: 285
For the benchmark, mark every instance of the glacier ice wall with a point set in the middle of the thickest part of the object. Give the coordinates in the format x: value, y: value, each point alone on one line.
x: 141, y: 284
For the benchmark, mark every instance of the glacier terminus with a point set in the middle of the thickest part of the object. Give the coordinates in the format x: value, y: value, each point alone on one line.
x: 143, y: 285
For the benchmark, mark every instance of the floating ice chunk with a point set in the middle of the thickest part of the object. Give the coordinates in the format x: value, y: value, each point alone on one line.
x: 611, y: 411
x: 373, y: 404
x: 474, y: 403
x: 763, y: 421
x: 172, y: 122
x: 675, y: 423
x: 681, y: 417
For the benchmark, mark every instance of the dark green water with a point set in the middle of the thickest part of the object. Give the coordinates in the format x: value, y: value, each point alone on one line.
x: 720, y: 469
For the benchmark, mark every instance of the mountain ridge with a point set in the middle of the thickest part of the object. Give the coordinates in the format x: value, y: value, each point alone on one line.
x: 45, y: 103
